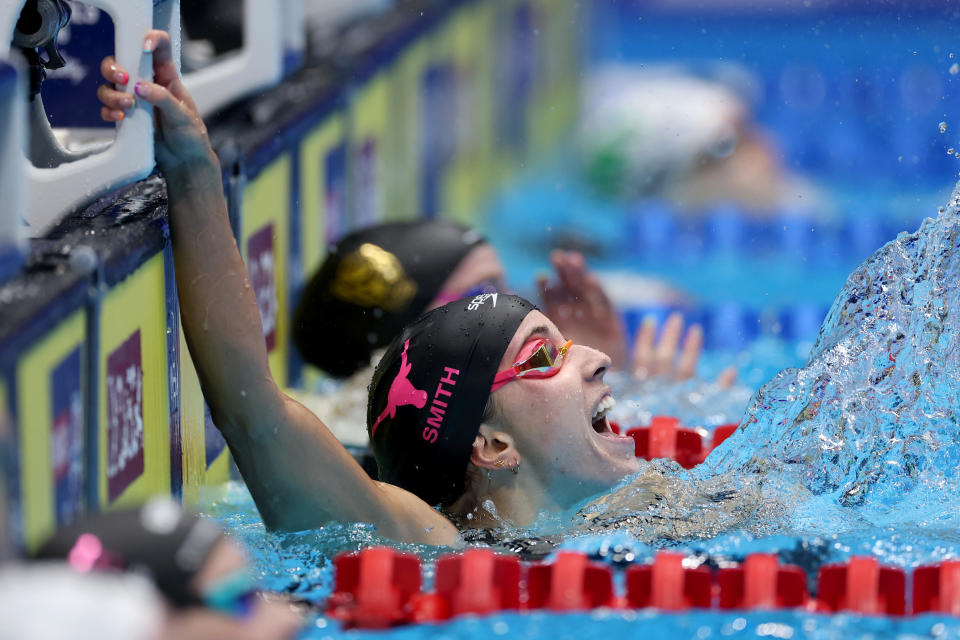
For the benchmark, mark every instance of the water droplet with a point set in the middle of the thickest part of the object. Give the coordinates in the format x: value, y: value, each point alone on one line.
x: 942, y: 127
x: 951, y: 56
x: 950, y: 151
x: 954, y: 68
x: 83, y: 260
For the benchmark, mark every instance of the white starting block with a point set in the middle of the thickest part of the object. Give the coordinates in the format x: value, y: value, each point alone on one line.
x: 69, y: 181
x: 330, y: 15
x: 273, y: 32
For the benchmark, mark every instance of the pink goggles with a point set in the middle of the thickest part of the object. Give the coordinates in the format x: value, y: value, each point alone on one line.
x: 544, y: 359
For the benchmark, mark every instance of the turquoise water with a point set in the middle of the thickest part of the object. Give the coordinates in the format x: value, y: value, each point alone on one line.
x: 852, y: 451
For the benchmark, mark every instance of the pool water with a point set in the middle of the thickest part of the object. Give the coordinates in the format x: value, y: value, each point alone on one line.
x: 852, y: 449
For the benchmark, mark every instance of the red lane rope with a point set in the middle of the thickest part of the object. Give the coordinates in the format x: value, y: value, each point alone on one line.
x: 665, y: 437
x: 379, y: 587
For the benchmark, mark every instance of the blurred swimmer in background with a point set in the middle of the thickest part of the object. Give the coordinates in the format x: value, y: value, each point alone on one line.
x: 663, y: 132
x: 481, y: 406
x: 200, y: 573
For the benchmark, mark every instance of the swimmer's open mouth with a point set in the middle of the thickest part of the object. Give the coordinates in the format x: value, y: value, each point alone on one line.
x: 599, y: 420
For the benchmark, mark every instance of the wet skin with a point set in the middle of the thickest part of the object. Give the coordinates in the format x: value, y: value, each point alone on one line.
x: 550, y: 421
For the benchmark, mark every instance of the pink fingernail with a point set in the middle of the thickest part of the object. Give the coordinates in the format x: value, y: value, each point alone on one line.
x: 141, y: 90
x: 122, y: 78
x: 148, y: 46
x: 128, y: 103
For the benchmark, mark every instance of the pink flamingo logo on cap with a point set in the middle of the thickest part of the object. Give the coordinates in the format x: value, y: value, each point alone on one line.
x: 402, y: 392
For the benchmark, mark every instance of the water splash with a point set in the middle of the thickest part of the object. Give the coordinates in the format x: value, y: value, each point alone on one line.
x: 870, y: 421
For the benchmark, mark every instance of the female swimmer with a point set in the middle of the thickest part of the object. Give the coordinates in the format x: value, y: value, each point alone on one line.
x: 462, y: 449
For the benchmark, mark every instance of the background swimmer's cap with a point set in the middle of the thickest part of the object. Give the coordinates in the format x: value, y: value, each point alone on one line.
x: 371, y: 285
x: 159, y: 539
x: 430, y: 390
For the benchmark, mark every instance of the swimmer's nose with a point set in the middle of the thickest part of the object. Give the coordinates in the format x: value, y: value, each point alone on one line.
x: 595, y: 364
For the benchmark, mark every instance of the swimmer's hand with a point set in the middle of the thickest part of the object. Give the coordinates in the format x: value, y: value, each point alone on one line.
x: 580, y: 307
x: 181, y: 136
x: 662, y: 359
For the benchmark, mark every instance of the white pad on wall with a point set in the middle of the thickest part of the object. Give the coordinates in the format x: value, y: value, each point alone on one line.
x: 54, y: 192
x: 270, y: 27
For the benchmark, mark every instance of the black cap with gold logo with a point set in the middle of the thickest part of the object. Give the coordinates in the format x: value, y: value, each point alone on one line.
x: 373, y: 282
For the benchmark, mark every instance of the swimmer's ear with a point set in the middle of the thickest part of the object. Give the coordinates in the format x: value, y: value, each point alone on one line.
x: 493, y: 450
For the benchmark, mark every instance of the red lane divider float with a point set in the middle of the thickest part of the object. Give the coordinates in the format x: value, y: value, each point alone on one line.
x: 666, y: 438
x: 863, y: 586
x: 380, y: 587
x: 761, y: 582
x: 668, y: 585
x: 476, y: 582
x: 374, y: 587
x: 937, y: 588
x: 570, y: 583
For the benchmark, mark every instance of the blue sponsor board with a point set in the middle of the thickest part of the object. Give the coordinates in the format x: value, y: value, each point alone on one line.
x: 66, y: 441
x: 335, y: 192
x: 515, y: 75
x: 70, y: 94
x: 438, y: 126
x: 214, y: 444
x: 367, y: 204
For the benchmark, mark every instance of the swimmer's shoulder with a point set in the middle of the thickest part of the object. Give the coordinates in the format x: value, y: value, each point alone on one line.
x: 410, y: 519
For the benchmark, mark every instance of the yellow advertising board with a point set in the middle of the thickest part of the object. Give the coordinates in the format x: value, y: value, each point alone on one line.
x: 367, y: 154
x: 134, y: 433
x: 50, y: 418
x: 465, y: 42
x: 265, y: 246
x: 323, y: 184
x: 403, y: 185
x: 323, y: 200
x: 554, y: 103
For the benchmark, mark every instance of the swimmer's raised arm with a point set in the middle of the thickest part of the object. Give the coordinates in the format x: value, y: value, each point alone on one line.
x: 298, y: 473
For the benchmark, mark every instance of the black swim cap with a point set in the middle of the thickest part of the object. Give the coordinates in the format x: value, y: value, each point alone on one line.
x: 371, y: 285
x: 431, y: 388
x: 159, y: 539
